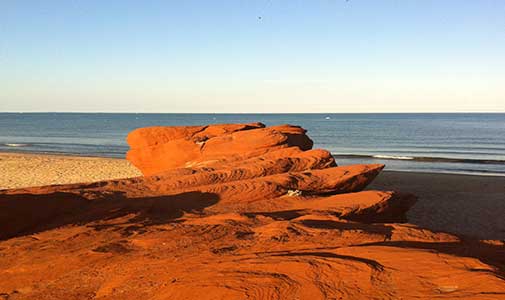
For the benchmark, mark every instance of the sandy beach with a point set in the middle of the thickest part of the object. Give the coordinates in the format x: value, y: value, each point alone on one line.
x: 20, y: 170
x: 461, y: 204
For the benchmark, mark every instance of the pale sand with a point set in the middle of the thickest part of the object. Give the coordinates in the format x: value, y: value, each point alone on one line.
x: 25, y: 170
x: 465, y: 205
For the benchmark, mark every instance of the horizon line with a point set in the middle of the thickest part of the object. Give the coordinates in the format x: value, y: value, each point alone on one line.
x: 245, y: 113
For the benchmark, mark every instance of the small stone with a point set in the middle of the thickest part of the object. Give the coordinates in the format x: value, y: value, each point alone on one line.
x: 294, y: 193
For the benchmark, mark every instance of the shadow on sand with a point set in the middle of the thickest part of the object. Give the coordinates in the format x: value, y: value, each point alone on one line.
x: 23, y: 214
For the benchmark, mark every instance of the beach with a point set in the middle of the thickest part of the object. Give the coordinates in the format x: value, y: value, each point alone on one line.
x: 26, y: 170
x: 466, y: 205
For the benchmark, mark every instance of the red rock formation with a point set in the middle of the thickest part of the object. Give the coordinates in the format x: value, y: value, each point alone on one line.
x: 206, y: 145
x: 233, y: 212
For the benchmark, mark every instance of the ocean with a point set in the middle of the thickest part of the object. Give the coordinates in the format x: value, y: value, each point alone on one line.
x: 441, y: 143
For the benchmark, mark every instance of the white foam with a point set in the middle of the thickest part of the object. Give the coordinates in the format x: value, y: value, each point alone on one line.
x: 16, y: 145
x: 393, y: 157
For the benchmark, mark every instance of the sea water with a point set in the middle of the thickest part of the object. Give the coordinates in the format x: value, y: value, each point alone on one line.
x: 451, y: 143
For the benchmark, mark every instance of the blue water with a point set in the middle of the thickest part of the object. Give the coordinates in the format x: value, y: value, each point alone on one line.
x: 453, y: 143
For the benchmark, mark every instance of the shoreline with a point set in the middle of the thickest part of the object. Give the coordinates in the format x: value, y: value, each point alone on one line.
x: 447, y: 173
x: 78, y: 155
x: 62, y: 154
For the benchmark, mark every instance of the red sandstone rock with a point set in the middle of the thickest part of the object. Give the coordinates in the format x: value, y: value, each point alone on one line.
x: 233, y: 212
x: 366, y: 206
x: 208, y: 145
x: 32, y: 210
x: 152, y: 136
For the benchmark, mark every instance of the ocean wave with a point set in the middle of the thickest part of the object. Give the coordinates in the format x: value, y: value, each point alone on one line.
x: 423, y: 158
x: 393, y: 157
x: 455, y: 171
x: 15, y: 145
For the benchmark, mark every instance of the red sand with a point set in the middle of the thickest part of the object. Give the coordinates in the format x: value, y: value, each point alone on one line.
x: 233, y: 212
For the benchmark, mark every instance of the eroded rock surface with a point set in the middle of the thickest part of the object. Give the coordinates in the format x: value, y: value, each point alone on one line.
x: 157, y: 149
x: 237, y: 211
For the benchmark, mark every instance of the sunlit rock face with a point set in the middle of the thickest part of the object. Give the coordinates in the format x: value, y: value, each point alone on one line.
x: 157, y: 149
x: 234, y: 211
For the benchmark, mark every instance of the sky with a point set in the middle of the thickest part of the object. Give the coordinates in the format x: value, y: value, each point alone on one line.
x: 252, y: 56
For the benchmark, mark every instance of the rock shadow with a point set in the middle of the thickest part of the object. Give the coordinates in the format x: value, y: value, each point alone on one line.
x: 380, y: 229
x: 23, y: 214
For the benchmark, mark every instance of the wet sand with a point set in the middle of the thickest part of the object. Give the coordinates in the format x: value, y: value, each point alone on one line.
x: 462, y: 204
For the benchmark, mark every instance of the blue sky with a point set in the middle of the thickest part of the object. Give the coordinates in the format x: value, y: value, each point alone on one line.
x: 219, y: 56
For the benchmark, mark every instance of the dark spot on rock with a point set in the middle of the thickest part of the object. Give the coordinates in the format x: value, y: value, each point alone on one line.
x: 119, y: 247
x: 224, y: 249
x: 244, y: 235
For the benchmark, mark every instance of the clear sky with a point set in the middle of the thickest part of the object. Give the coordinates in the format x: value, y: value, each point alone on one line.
x: 220, y: 56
